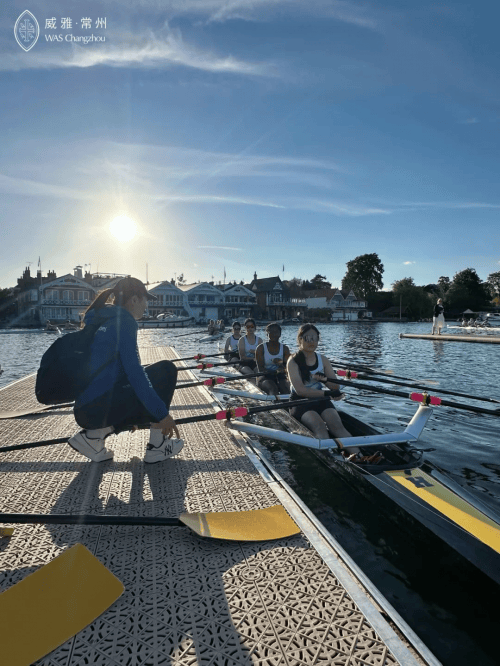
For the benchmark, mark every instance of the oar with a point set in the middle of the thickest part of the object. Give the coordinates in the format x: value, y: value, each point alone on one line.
x: 198, y: 357
x: 225, y: 414
x: 255, y: 525
x: 203, y: 366
x: 357, y: 375
x: 382, y: 373
x: 184, y: 334
x: 400, y: 394
x: 49, y: 409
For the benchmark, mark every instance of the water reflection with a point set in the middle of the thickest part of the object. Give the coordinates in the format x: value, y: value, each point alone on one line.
x: 438, y: 349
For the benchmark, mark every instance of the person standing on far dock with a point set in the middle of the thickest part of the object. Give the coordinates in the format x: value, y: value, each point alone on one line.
x: 122, y: 393
x: 438, y: 320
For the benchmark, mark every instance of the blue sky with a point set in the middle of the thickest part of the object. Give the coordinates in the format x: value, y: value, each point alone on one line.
x: 250, y: 135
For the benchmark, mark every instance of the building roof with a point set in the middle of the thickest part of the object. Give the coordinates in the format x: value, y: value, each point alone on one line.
x: 200, y: 285
x: 266, y: 284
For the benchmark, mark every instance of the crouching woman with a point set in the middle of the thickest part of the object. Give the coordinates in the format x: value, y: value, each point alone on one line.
x: 121, y: 392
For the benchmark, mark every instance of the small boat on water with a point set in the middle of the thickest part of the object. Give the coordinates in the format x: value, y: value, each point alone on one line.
x: 167, y: 321
x: 212, y: 338
x: 408, y: 486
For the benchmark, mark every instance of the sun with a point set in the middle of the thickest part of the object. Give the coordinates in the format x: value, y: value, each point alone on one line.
x: 123, y: 228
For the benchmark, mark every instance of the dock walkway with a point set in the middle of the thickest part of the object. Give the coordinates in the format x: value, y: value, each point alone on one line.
x: 187, y: 600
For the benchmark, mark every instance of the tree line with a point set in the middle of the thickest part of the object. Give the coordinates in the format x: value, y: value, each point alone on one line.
x: 364, y: 276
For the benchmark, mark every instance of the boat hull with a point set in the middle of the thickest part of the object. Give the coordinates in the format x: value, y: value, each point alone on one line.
x: 416, y: 493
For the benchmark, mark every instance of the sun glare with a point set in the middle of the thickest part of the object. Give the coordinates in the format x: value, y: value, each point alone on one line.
x: 123, y: 228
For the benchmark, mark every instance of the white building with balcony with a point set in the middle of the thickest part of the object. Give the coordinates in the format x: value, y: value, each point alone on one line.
x: 239, y: 302
x: 204, y: 300
x: 169, y: 298
x: 66, y: 297
x: 346, y: 306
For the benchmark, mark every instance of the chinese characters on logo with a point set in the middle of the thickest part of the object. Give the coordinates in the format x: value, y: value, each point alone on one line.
x: 27, y: 30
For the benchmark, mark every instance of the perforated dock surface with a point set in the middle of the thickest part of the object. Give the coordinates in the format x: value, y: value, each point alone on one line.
x: 187, y: 600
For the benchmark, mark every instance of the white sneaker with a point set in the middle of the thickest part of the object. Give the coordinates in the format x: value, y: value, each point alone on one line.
x: 167, y: 449
x: 89, y: 447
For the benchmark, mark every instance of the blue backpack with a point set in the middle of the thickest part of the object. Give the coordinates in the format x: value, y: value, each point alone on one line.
x: 64, y: 371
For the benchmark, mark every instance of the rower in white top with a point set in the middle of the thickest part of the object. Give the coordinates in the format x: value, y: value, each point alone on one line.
x: 246, y: 348
x: 312, y: 376
x: 231, y: 346
x: 271, y: 357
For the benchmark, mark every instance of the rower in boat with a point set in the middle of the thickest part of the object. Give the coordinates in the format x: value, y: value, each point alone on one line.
x: 211, y: 327
x: 231, y: 346
x: 50, y: 326
x: 312, y: 376
x: 222, y: 326
x: 247, y: 346
x: 271, y: 357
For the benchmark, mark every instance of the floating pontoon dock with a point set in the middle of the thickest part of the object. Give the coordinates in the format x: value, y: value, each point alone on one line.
x: 295, y: 601
x: 453, y: 338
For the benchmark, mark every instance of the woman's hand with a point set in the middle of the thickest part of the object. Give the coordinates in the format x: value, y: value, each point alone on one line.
x: 320, y: 377
x: 167, y: 427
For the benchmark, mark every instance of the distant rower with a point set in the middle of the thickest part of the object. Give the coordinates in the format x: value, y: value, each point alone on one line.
x: 231, y: 346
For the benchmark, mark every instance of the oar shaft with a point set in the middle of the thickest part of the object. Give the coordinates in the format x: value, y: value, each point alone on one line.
x: 190, y: 419
x: 236, y: 378
x: 213, y: 365
x: 285, y: 404
x: 87, y: 519
x: 197, y: 357
x: 33, y: 445
x: 426, y: 388
x: 400, y: 394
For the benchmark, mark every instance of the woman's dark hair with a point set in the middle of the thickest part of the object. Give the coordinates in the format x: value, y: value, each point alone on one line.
x: 299, y: 357
x: 236, y: 323
x: 250, y: 321
x: 273, y: 324
x: 122, y: 292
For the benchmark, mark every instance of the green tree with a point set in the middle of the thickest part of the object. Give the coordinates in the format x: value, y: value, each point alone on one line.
x: 364, y: 275
x: 467, y: 291
x: 416, y: 300
x: 320, y: 282
x: 380, y: 300
x: 494, y: 284
x: 444, y: 284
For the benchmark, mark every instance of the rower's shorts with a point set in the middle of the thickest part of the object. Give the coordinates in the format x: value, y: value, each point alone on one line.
x: 318, y: 407
x: 248, y: 364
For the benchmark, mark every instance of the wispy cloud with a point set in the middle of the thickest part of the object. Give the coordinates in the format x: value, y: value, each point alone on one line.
x: 356, y: 13
x: 147, y: 49
x: 250, y: 10
x: 219, y: 247
x: 407, y: 263
x: 27, y: 187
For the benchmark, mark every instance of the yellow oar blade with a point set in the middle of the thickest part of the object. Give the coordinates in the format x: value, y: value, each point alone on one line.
x: 257, y: 525
x: 6, y: 531
x: 53, y: 604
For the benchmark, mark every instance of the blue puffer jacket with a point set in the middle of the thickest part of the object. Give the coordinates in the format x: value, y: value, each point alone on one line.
x: 117, y: 336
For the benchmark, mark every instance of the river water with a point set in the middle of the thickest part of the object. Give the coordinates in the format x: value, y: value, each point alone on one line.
x: 456, y: 617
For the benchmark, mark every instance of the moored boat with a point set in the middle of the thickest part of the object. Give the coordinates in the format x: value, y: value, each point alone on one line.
x: 410, y: 488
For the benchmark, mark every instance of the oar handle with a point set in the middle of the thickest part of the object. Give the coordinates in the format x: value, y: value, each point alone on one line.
x: 87, y: 519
